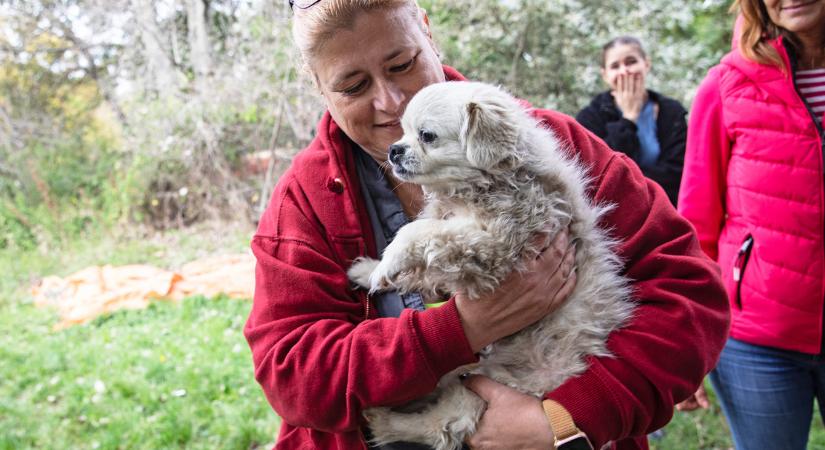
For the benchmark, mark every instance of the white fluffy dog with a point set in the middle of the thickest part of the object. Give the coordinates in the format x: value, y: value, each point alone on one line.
x: 499, y: 187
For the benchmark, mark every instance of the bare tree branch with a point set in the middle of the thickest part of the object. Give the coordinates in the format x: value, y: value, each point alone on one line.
x: 199, y: 47
x: 163, y: 72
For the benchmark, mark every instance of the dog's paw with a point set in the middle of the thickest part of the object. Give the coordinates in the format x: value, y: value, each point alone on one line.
x: 380, y: 423
x: 447, y: 439
x: 384, y: 276
x: 374, y: 415
x: 360, y: 271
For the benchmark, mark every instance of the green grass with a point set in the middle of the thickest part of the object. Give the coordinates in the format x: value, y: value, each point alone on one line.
x: 700, y: 429
x: 707, y: 430
x: 171, y: 376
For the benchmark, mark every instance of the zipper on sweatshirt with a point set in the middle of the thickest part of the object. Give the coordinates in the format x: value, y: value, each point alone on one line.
x: 366, y: 299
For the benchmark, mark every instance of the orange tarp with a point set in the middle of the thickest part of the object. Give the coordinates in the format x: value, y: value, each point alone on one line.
x: 96, y: 290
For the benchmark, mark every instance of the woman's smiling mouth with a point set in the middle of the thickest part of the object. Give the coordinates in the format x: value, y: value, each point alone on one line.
x: 796, y: 6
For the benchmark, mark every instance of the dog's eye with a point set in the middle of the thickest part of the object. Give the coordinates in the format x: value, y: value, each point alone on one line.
x: 427, y: 137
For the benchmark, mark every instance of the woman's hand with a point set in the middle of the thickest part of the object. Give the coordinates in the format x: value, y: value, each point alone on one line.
x: 522, y: 299
x: 512, y: 420
x: 630, y: 95
x: 698, y: 400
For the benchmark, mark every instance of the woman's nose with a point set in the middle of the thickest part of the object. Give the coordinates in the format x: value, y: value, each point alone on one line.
x: 388, y: 98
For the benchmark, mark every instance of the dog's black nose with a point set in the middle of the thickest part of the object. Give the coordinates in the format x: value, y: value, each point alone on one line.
x: 396, y: 152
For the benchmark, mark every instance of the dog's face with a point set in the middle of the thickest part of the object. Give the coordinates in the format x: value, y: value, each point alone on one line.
x: 454, y: 132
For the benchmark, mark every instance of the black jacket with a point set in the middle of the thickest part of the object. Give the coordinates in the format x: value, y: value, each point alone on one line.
x: 604, y: 119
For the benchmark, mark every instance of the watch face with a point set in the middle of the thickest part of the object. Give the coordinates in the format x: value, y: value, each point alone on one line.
x: 580, y: 443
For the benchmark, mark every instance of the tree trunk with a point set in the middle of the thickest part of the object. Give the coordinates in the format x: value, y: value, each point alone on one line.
x: 199, y: 46
x: 163, y: 74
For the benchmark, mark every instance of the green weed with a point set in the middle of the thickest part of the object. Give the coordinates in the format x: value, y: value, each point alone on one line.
x: 170, y: 376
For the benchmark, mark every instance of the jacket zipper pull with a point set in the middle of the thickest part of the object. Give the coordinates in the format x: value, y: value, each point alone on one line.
x: 741, y: 256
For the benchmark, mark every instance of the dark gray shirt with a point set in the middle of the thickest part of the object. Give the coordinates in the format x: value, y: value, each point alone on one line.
x: 387, y: 217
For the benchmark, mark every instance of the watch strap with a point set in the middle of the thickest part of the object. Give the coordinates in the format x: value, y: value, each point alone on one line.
x: 560, y: 420
x: 565, y: 432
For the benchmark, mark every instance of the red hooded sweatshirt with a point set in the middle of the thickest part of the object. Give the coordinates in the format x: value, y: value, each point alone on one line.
x: 322, y: 355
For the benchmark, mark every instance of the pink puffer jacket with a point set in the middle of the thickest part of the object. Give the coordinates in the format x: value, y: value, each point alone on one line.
x: 753, y: 188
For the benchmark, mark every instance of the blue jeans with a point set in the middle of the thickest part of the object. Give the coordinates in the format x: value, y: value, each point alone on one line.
x: 767, y: 395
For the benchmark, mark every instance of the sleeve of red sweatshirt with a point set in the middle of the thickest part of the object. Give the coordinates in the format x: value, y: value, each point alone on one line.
x: 682, y: 318
x: 318, y: 361
x: 702, y: 193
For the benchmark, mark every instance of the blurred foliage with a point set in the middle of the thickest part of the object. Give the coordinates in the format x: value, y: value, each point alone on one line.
x: 116, y: 112
x: 550, y: 52
x: 60, y: 153
x: 104, y: 120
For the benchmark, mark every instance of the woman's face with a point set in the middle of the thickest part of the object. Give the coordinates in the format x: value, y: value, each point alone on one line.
x: 369, y: 72
x: 623, y: 60
x: 800, y: 17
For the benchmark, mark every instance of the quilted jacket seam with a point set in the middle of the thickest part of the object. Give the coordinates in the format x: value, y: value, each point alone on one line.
x: 775, y: 163
x: 771, y: 194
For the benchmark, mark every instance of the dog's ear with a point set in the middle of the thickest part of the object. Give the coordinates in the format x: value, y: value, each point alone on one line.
x: 488, y: 131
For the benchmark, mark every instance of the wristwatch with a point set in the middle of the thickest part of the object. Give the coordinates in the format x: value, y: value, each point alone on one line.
x: 567, y: 436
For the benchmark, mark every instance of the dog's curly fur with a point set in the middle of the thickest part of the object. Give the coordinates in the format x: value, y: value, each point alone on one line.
x: 499, y: 187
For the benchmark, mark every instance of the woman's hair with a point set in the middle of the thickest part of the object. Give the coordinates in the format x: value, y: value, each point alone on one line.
x: 311, y: 27
x: 622, y: 40
x: 755, y: 29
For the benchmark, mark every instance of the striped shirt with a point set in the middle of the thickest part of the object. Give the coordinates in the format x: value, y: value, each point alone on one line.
x: 811, y: 84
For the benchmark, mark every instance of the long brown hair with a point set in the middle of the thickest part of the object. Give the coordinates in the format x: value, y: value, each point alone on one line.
x: 756, y: 30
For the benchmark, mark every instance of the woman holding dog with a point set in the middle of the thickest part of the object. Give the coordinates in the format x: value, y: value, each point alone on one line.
x: 753, y: 188
x: 323, y: 352
x: 645, y: 125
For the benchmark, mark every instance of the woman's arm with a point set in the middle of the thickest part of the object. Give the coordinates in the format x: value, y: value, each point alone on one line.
x: 704, y: 183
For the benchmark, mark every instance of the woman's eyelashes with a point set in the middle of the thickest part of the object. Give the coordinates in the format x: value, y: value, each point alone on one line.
x: 360, y: 86
x: 628, y: 62
x: 354, y: 89
x: 404, y: 66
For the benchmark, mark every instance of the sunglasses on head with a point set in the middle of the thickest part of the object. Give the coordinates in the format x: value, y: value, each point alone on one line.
x: 303, y: 4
